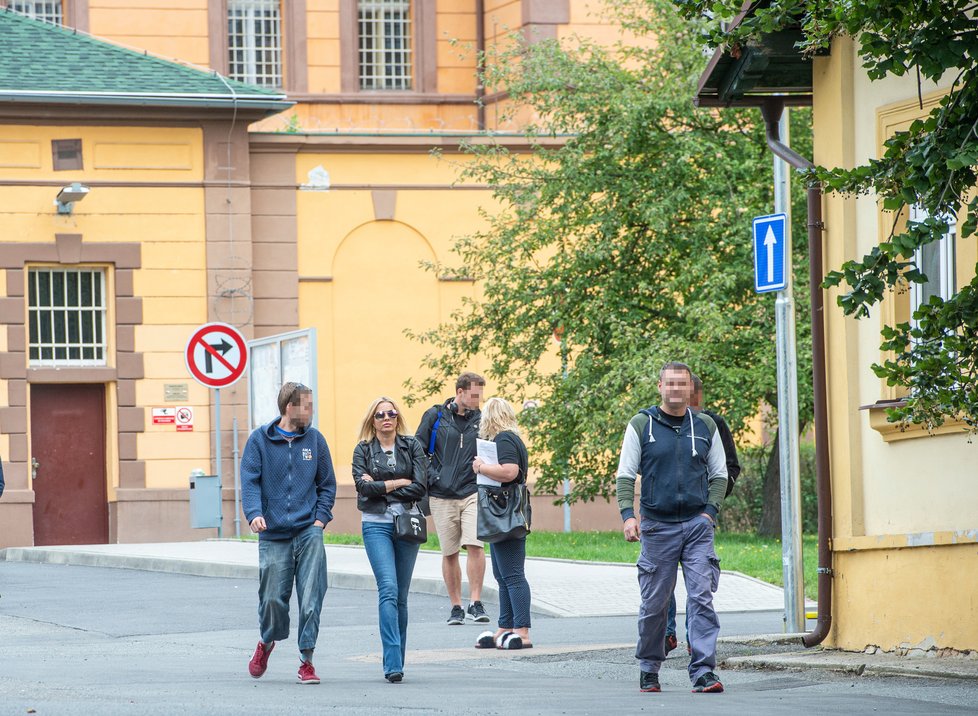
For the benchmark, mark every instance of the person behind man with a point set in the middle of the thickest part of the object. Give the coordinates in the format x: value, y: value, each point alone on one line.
x: 684, y: 478
x: 288, y: 488
x: 733, y: 472
x: 448, y: 432
x: 1, y: 479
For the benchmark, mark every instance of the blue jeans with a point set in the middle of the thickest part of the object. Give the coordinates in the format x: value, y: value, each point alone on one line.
x: 392, y: 561
x: 671, y: 621
x: 664, y: 545
x: 302, y: 560
x: 508, y: 560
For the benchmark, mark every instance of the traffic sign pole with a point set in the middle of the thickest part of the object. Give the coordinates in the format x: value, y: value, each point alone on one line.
x: 216, y: 357
x: 791, y: 552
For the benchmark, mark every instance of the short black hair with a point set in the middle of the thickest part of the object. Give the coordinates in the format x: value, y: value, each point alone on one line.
x: 697, y: 383
x: 467, y: 379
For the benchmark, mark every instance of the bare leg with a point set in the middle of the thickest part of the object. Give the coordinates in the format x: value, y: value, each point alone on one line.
x: 475, y: 570
x: 452, y: 574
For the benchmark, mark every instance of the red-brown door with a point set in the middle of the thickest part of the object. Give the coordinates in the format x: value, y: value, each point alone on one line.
x: 68, y: 451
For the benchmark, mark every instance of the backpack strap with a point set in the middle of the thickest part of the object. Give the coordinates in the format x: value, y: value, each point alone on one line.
x: 434, y: 434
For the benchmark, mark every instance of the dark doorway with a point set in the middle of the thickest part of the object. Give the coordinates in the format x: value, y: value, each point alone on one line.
x: 68, y: 455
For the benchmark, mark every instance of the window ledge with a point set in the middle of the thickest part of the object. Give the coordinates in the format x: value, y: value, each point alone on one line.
x: 891, y: 432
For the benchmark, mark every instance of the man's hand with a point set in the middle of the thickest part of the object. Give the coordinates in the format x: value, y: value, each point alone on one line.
x: 319, y: 524
x: 630, y: 530
x: 366, y: 477
x: 258, y: 524
x: 708, y: 518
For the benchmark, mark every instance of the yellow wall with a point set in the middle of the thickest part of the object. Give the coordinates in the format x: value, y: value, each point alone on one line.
x: 905, y: 513
x: 168, y: 221
x: 175, y: 29
x: 377, y: 288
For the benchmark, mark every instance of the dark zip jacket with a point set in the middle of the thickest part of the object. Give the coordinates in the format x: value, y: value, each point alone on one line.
x: 450, y: 473
x: 684, y: 471
x: 290, y: 484
x: 412, y: 463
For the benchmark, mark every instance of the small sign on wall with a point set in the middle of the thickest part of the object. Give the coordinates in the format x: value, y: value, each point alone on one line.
x: 185, y: 419
x: 175, y: 393
x: 164, y: 416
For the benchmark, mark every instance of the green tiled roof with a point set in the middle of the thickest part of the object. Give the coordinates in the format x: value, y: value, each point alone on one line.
x: 40, y: 62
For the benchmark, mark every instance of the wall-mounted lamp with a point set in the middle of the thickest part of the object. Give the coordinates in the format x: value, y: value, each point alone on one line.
x: 69, y: 195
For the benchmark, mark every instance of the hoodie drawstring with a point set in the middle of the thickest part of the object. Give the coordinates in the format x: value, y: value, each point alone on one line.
x: 692, y: 434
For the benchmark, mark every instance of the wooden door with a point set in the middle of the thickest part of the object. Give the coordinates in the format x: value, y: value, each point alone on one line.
x: 68, y: 454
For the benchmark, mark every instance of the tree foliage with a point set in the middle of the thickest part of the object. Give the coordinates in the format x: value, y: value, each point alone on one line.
x: 630, y: 238
x: 932, y: 165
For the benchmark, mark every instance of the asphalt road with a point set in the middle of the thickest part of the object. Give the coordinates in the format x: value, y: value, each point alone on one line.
x: 80, y: 640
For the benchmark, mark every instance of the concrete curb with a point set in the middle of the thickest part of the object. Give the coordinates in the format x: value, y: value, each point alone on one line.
x: 859, y: 664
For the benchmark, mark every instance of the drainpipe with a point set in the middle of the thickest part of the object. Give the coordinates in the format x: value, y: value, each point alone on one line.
x: 771, y: 110
x: 480, y: 48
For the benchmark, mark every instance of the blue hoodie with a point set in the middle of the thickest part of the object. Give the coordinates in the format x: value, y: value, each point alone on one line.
x: 290, y: 484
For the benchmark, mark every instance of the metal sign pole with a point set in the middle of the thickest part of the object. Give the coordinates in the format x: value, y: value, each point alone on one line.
x: 791, y: 552
x: 217, y: 458
x: 237, y: 478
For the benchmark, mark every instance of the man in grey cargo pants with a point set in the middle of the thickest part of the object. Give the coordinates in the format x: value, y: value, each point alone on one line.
x: 684, y: 477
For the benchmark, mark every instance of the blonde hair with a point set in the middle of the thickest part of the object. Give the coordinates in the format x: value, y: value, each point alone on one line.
x: 367, y: 430
x: 497, y: 416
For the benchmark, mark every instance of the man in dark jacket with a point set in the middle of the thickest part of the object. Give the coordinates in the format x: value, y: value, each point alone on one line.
x: 287, y: 492
x: 448, y: 433
x: 733, y: 472
x: 684, y: 479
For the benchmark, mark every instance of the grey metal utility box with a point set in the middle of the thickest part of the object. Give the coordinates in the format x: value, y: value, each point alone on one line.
x: 205, y: 501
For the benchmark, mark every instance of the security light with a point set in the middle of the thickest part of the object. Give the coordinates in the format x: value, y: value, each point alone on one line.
x: 69, y: 195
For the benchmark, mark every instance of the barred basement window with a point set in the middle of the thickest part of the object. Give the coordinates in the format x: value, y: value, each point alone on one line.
x: 255, y: 42
x: 385, y: 44
x: 43, y: 10
x: 66, y: 317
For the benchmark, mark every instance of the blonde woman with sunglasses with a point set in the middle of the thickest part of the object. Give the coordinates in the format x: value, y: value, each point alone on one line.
x: 389, y: 471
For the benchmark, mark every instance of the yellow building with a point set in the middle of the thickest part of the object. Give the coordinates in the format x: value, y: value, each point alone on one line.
x: 902, y: 524
x: 301, y: 192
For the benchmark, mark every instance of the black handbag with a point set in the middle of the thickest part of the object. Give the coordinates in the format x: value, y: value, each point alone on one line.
x: 504, y: 512
x: 411, y: 527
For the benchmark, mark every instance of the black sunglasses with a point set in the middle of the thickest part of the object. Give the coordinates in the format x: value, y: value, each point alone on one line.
x: 381, y: 414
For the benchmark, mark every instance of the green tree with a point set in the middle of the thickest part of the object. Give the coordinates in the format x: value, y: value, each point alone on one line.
x: 931, y: 166
x: 630, y: 238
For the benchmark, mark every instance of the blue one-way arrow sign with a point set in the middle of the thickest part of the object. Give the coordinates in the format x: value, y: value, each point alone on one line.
x: 769, y: 253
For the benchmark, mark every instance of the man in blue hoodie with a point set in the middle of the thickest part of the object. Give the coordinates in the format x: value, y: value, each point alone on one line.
x: 684, y: 477
x: 287, y: 492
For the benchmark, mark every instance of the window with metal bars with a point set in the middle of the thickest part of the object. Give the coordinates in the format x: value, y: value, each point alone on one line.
x: 66, y: 317
x: 255, y: 42
x: 385, y: 48
x: 44, y: 10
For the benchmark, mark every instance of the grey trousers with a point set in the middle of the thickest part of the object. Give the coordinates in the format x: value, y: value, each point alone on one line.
x: 664, y: 545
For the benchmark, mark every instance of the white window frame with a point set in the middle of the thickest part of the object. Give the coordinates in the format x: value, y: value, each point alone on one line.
x: 253, y: 40
x: 49, y: 11
x: 941, y: 284
x: 58, y: 316
x: 389, y: 64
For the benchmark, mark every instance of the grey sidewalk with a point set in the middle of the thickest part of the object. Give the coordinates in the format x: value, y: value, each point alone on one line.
x: 561, y: 588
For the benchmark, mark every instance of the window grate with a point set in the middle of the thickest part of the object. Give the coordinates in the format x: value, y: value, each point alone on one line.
x: 255, y: 42
x: 385, y: 44
x: 43, y: 10
x: 66, y: 317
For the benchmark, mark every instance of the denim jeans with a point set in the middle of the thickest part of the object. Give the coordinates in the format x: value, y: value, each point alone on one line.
x: 392, y: 561
x: 508, y: 562
x: 282, y: 562
x: 664, y: 545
